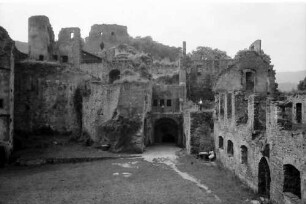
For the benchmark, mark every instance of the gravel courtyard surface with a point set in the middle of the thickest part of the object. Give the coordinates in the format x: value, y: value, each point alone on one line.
x: 163, y: 174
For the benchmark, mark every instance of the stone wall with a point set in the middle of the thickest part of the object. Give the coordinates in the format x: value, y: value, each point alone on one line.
x: 108, y: 102
x: 7, y: 66
x: 44, y: 97
x: 104, y: 36
x: 99, y: 106
x: 167, y: 98
x: 287, y: 147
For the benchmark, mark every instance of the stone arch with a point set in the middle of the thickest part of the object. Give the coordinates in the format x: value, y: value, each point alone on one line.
x: 292, y: 180
x: 114, y: 75
x: 166, y: 130
x: 264, y: 178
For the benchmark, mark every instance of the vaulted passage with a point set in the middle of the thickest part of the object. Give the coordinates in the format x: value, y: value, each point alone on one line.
x: 166, y: 131
x: 264, y: 178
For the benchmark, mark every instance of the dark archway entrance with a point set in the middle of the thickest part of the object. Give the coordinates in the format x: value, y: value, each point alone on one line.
x: 264, y: 178
x: 114, y: 75
x: 166, y: 131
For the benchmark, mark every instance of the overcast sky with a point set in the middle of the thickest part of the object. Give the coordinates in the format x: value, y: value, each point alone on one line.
x: 227, y: 26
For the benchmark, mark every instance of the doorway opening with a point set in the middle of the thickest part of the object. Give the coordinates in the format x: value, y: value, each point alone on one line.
x: 264, y: 178
x: 165, y: 131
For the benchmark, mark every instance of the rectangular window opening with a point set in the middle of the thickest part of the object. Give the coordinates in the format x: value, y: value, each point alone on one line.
x: 155, y: 102
x: 299, y: 113
x: 169, y: 102
x: 1, y: 104
x: 41, y: 58
x: 162, y: 102
x: 64, y: 58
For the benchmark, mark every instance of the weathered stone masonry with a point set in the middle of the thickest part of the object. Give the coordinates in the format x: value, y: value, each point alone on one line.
x: 7, y: 66
x: 258, y: 135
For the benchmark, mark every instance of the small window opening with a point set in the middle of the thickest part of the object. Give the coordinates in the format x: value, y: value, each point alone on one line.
x: 169, y: 102
x: 155, y: 102
x: 162, y: 102
x: 222, y: 103
x: 112, y: 33
x: 220, y: 142
x: 244, y: 154
x: 230, y: 148
x: 229, y: 105
x: 101, y: 45
x: 249, y: 79
x: 1, y: 104
x: 71, y: 35
x: 299, y: 112
x: 64, y: 58
x: 55, y: 57
x: 292, y: 180
x: 41, y: 58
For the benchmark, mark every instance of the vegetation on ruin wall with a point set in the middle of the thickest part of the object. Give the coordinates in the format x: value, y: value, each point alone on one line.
x: 202, y: 53
x: 302, y: 85
x: 118, y: 132
x: 168, y: 79
x: 156, y: 49
x: 202, y: 140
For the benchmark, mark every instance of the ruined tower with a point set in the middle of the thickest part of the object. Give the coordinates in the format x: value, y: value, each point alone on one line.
x: 69, y: 46
x: 40, y: 38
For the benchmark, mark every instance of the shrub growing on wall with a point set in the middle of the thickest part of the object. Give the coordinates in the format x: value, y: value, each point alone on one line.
x: 119, y: 132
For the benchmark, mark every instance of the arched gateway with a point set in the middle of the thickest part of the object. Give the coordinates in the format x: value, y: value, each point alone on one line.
x: 167, y: 130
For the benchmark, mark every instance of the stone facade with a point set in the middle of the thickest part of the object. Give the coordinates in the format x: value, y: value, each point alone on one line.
x: 259, y: 135
x: 50, y: 88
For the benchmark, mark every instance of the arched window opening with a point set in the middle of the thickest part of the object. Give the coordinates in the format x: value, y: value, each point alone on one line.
x: 230, y: 148
x: 114, y: 75
x: 221, y: 142
x: 264, y: 178
x: 292, y: 180
x: 244, y: 154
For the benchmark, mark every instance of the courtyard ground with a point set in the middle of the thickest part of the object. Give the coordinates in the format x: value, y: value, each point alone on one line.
x: 163, y: 174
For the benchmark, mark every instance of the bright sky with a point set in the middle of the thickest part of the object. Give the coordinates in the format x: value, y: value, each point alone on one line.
x: 229, y: 26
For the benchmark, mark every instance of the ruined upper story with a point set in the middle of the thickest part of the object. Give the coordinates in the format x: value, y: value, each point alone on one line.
x: 104, y: 36
x: 250, y: 72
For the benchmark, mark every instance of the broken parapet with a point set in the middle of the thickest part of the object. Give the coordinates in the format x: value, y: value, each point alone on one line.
x: 104, y: 36
x: 256, y: 46
x: 69, y: 46
x: 40, y: 38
